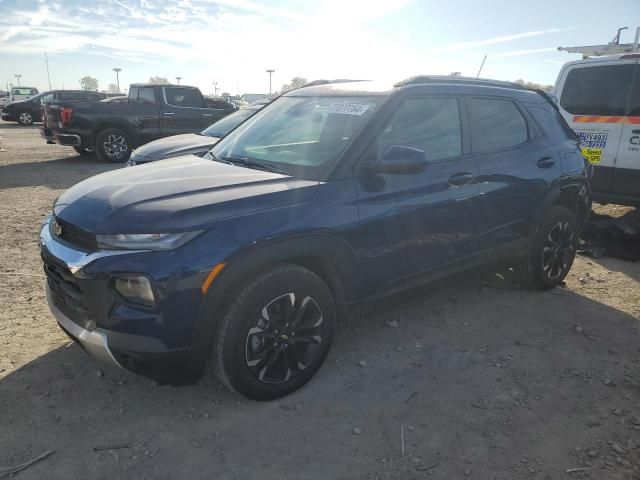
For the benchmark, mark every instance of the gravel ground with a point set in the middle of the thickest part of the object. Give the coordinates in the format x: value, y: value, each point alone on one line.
x: 470, y: 378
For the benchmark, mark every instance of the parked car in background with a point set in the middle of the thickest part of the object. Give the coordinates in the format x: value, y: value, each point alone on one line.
x: 114, y: 129
x: 600, y: 99
x: 28, y: 111
x: 21, y: 93
x: 190, y: 143
x: 17, y: 94
x: 333, y: 195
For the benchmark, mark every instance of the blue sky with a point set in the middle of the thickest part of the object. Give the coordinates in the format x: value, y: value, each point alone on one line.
x: 232, y: 42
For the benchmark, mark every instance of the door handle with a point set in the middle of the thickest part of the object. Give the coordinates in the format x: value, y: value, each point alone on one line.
x: 169, y: 113
x: 460, y: 179
x: 546, y: 162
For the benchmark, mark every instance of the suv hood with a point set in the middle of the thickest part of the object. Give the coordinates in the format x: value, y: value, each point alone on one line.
x: 186, y: 193
x: 173, y: 146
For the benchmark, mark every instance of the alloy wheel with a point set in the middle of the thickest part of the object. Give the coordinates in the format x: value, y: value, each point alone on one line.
x: 558, y: 250
x: 26, y: 118
x: 285, y: 339
x: 115, y: 146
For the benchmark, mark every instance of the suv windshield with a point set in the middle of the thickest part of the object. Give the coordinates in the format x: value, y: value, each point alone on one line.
x: 302, y: 136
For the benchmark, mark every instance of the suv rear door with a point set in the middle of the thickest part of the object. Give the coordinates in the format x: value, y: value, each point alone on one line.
x: 420, y: 221
x: 515, y: 166
x: 593, y: 99
x: 184, y: 111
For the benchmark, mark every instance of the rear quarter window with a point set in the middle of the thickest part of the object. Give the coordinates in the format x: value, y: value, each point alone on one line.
x: 597, y: 90
x: 551, y: 123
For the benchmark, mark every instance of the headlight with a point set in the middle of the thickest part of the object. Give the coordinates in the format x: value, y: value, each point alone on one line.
x: 144, y: 241
x: 136, y: 289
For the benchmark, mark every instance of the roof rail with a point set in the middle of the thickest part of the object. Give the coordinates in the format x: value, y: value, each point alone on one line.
x: 614, y: 47
x: 425, y: 79
x: 315, y: 83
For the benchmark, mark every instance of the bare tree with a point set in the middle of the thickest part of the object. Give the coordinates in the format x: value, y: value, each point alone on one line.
x: 112, y: 88
x: 534, y: 86
x: 296, y: 82
x: 158, y: 80
x: 89, y: 83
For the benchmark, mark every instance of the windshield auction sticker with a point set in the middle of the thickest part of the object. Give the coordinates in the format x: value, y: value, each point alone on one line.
x: 348, y: 108
x: 592, y: 145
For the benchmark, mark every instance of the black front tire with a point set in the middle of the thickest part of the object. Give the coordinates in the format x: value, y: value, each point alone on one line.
x: 113, y: 145
x: 85, y: 152
x: 553, y: 250
x: 256, y: 351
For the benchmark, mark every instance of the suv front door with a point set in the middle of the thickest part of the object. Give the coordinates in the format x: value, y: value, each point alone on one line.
x: 184, y: 111
x: 416, y: 222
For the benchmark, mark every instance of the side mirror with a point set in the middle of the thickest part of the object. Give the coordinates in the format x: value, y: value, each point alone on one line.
x: 401, y: 160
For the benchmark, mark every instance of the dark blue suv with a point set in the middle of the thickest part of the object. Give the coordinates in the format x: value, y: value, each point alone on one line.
x: 333, y: 195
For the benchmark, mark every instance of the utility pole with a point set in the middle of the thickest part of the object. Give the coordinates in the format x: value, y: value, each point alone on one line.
x: 118, y: 70
x: 46, y: 60
x: 17, y: 75
x: 178, y: 78
x: 270, y: 72
x: 215, y: 89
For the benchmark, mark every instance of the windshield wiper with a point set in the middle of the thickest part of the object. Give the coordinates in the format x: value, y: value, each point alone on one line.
x: 248, y: 163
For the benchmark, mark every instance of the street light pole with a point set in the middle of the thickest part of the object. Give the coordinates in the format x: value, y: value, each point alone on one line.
x: 178, y: 78
x: 215, y: 89
x: 118, y: 70
x: 18, y: 77
x: 270, y: 72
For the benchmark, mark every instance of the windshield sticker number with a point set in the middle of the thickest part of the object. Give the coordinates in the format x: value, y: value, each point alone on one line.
x: 348, y: 108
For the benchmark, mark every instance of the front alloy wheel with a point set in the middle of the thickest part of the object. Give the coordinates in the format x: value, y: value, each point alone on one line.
x: 285, y: 339
x: 275, y: 334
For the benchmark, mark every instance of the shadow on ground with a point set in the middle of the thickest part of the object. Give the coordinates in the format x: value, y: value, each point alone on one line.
x: 481, y: 377
x: 59, y: 173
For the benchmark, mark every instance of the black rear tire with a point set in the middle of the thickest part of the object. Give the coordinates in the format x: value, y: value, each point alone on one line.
x: 256, y: 351
x: 552, y: 252
x: 85, y: 152
x: 113, y: 145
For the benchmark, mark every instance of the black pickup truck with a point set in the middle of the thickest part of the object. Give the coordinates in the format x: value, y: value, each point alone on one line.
x: 114, y: 129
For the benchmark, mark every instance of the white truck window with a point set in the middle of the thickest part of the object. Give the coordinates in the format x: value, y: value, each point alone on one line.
x: 597, y: 90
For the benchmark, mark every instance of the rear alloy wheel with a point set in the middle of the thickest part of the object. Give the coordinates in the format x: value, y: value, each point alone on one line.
x: 276, y: 333
x: 25, y: 118
x: 553, y: 251
x: 113, y: 146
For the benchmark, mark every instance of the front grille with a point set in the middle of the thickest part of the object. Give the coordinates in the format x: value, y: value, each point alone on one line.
x: 66, y: 293
x: 76, y: 236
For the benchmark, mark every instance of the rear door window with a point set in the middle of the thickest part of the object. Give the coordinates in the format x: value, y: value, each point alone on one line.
x: 597, y: 90
x: 496, y: 124
x: 183, y: 97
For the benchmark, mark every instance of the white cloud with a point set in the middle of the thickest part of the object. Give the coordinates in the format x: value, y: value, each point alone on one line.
x: 496, y: 40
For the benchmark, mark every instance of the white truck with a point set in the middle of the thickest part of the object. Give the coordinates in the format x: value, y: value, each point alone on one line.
x: 599, y: 96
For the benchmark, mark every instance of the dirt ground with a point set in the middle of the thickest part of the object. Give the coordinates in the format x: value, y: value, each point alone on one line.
x: 476, y: 378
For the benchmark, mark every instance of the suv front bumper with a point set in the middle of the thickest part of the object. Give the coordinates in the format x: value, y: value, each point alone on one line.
x: 94, y: 342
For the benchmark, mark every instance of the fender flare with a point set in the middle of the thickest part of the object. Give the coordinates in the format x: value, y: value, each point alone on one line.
x: 577, y: 192
x: 249, y: 262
